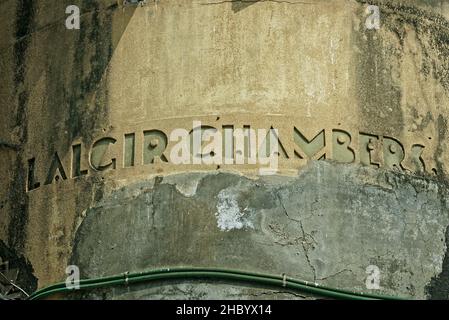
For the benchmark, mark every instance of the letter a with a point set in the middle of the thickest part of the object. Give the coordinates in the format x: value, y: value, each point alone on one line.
x: 373, y: 21
x: 72, y: 21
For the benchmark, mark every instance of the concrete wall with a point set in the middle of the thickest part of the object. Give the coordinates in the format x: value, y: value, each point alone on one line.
x: 87, y: 169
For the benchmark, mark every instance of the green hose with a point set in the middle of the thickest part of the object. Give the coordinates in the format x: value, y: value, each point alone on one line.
x: 215, y: 274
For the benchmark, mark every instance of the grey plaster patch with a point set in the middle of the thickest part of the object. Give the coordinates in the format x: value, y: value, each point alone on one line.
x: 327, y: 226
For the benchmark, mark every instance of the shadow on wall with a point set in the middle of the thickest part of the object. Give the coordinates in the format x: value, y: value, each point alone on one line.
x: 16, y: 268
x: 240, y: 5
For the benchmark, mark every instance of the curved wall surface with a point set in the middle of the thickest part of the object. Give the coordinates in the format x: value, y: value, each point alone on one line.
x: 101, y: 166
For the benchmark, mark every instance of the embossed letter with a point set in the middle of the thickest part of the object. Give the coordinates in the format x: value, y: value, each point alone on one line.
x: 98, y: 153
x: 55, y: 165
x: 76, y: 162
x: 155, y: 143
x: 369, y: 149
x: 393, y: 153
x: 341, y: 150
x: 310, y: 148
x: 32, y: 184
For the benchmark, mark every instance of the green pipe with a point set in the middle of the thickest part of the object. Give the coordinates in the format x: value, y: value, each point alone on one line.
x: 216, y: 274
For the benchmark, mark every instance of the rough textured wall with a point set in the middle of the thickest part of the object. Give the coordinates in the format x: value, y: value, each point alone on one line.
x: 85, y: 147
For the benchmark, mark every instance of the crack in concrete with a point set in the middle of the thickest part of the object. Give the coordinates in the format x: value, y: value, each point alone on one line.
x: 304, y: 234
x: 153, y: 212
x: 158, y: 180
x: 281, y: 234
x: 306, y: 253
x: 271, y: 293
x: 335, y: 274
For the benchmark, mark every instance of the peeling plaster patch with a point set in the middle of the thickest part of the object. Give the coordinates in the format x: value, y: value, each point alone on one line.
x: 186, y: 186
x: 229, y: 216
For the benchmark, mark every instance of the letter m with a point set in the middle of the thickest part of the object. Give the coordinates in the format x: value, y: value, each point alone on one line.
x: 313, y: 149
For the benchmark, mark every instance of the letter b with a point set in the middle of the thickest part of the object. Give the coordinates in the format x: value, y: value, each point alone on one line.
x: 239, y: 309
x: 341, y: 150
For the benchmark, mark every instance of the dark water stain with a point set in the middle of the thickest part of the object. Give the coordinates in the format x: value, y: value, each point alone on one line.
x: 425, y: 120
x: 95, y: 44
x: 25, y: 13
x: 25, y: 278
x: 441, y: 124
x: 432, y: 31
x: 86, y: 96
x: 438, y: 288
x: 77, y: 88
x: 18, y: 207
x: 432, y: 35
x: 379, y: 96
x: 75, y: 97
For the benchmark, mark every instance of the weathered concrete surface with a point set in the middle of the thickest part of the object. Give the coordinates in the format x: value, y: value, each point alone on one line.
x: 190, y: 290
x: 327, y: 225
x: 311, y: 65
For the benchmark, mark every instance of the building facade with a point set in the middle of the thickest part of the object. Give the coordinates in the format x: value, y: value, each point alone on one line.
x: 299, y: 138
